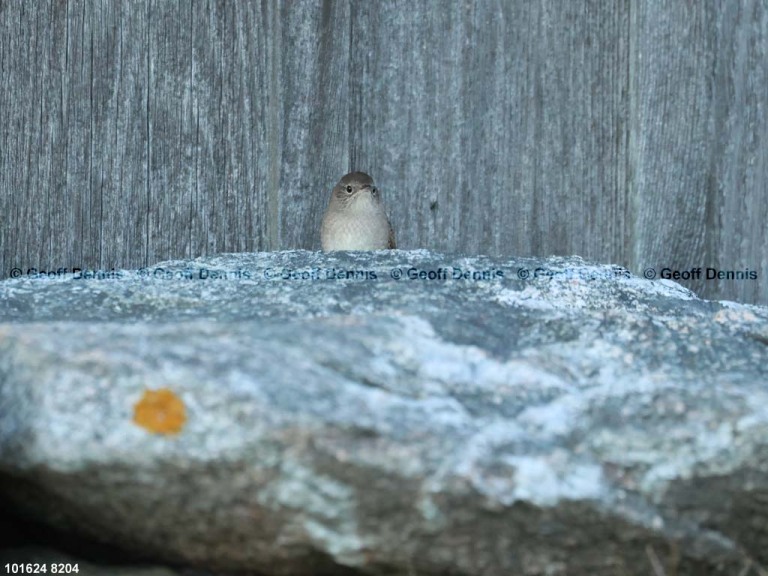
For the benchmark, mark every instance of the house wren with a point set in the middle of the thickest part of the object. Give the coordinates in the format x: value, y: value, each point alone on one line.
x: 355, y: 218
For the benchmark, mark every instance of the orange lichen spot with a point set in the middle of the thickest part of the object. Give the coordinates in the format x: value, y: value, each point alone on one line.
x: 160, y: 411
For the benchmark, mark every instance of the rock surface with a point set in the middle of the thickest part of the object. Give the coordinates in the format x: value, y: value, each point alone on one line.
x: 302, y: 413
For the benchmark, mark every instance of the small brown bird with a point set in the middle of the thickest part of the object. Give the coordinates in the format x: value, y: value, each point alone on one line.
x: 355, y: 218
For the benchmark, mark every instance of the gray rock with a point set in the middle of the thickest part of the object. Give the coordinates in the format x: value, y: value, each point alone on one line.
x: 577, y: 421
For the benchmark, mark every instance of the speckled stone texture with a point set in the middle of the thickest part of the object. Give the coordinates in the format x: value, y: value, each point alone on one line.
x: 390, y: 413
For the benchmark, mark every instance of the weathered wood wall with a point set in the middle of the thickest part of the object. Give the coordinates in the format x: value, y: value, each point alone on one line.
x: 632, y: 132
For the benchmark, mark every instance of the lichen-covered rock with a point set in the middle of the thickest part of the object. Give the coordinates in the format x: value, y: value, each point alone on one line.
x: 390, y: 413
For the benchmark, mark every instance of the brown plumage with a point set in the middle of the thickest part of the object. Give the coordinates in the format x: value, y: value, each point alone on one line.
x: 355, y: 218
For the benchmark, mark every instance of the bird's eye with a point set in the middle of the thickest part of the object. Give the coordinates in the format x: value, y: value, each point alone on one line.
x: 374, y: 191
x: 349, y: 189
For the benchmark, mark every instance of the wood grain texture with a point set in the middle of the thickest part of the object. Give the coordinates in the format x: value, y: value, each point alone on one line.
x: 118, y: 185
x: 499, y: 127
x: 737, y: 231
x: 699, y: 186
x: 314, y: 116
x: 208, y: 117
x: 625, y: 132
x: 672, y: 104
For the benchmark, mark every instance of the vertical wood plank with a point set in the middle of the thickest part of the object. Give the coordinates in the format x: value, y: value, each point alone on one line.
x: 698, y: 151
x: 737, y: 221
x: 72, y: 145
x: 580, y: 82
x: 498, y: 127
x: 115, y: 232
x: 208, y: 120
x: 670, y: 155
x: 42, y: 46
x: 407, y: 119
x: 172, y: 136
x: 227, y: 75
x: 314, y: 126
x: 59, y: 95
